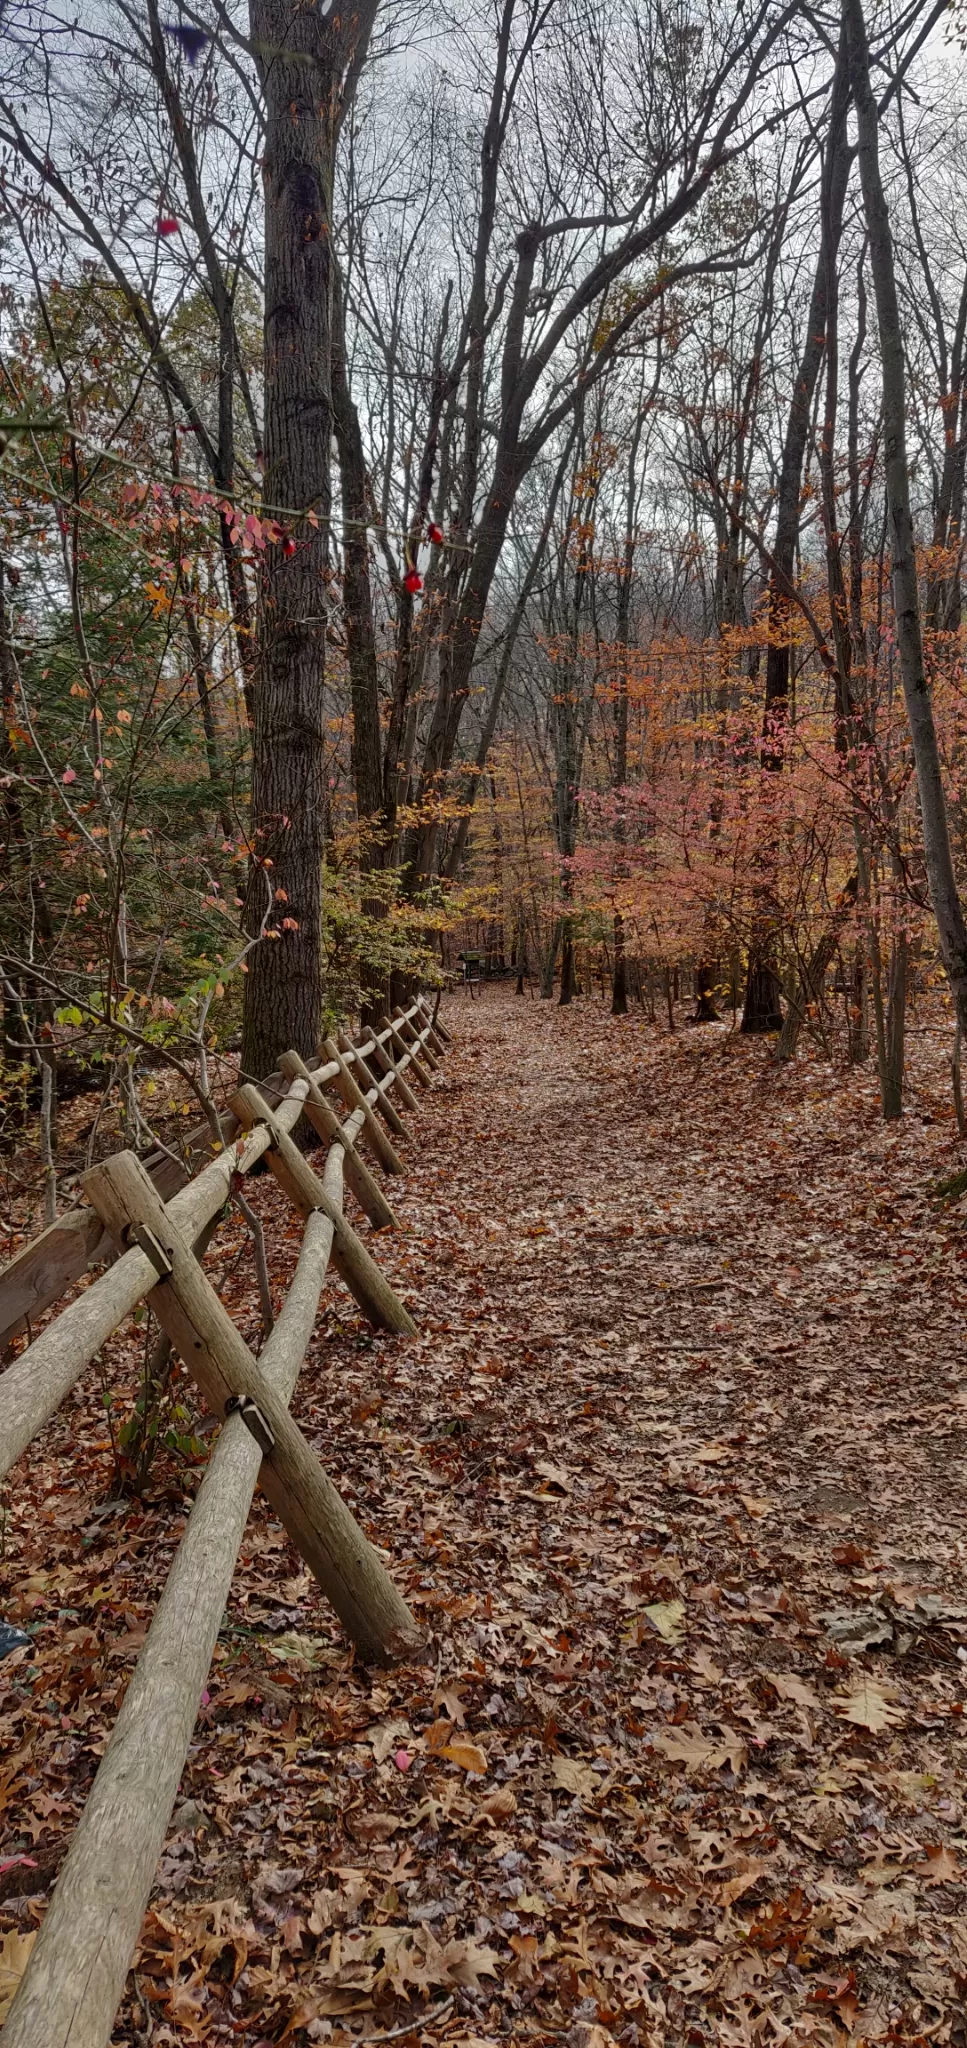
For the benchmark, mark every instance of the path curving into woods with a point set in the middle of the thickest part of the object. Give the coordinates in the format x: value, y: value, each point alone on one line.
x: 688, y: 1382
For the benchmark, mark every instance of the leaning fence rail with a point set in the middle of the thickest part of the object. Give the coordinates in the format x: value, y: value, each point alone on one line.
x: 69, y: 1994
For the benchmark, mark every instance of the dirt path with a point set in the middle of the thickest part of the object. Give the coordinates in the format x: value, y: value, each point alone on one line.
x: 688, y: 1382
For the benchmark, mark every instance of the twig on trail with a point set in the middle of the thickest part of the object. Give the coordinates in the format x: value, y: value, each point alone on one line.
x: 438, y: 2012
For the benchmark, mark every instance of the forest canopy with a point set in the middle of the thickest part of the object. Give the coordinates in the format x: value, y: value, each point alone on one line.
x: 489, y: 483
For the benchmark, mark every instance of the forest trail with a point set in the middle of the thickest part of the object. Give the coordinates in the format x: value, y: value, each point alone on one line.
x: 687, y: 1383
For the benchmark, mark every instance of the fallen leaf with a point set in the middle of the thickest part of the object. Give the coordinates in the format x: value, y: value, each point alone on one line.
x: 941, y: 1867
x: 667, y: 1617
x: 869, y: 1705
x: 702, y: 1752
x: 575, y: 1777
x: 876, y: 1874
x: 748, y: 1874
x: 789, y: 1687
x: 555, y: 1476
x: 653, y: 1909
x: 883, y: 1918
x: 296, y: 1649
x: 386, y: 1736
x: 372, y: 1827
x: 467, y: 1755
x: 499, y: 1805
x: 14, y: 1956
x: 913, y: 1786
x: 465, y: 1962
x: 859, y: 1628
x: 448, y: 1697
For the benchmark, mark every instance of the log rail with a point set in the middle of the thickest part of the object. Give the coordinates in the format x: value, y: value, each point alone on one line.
x: 74, y: 1981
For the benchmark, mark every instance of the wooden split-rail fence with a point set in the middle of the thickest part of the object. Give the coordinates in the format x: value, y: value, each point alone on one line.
x: 74, y: 1980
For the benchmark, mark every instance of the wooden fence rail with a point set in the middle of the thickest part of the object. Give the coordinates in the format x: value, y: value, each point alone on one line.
x: 69, y: 1994
x: 40, y: 1379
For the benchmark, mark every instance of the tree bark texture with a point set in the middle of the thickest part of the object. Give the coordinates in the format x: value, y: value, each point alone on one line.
x: 308, y: 62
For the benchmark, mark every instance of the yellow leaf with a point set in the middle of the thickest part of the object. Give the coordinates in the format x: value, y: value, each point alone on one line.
x: 667, y: 1616
x: 14, y: 1956
x: 467, y: 1755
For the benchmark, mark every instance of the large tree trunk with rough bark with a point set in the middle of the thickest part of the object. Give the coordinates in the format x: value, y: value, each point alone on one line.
x: 308, y: 62
x: 283, y: 1005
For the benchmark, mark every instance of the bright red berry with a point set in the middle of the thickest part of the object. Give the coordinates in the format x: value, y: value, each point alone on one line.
x: 412, y: 581
x: 288, y: 545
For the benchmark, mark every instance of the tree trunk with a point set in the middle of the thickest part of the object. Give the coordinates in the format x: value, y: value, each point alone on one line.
x: 891, y: 1078
x: 568, y: 976
x: 283, y: 994
x: 549, y: 962
x: 619, y: 992
x: 705, y: 1010
x: 788, y: 509
x: 944, y: 894
x: 358, y: 600
x: 451, y: 866
x: 669, y: 999
x: 619, y: 985
x: 810, y: 985
x: 309, y: 62
x: 762, y: 1010
x: 859, y: 1031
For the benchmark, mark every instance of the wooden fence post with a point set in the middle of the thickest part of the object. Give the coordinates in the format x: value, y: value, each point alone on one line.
x: 409, y: 1032
x: 377, y: 1081
x: 373, y: 1292
x: 354, y: 1098
x: 407, y: 1052
x: 76, y: 1973
x: 441, y: 1037
x: 382, y: 1058
x: 217, y: 1356
x: 320, y: 1114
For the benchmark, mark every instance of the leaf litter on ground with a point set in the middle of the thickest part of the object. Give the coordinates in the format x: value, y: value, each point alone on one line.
x: 672, y: 1475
